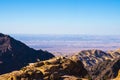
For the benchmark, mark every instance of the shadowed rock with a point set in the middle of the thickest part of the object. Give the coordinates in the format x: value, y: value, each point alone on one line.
x: 15, y: 54
x: 106, y: 70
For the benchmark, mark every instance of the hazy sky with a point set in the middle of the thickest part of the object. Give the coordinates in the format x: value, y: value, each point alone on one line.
x: 101, y: 17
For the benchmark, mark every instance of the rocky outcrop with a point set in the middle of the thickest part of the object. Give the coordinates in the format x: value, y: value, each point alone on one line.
x: 93, y: 57
x: 15, y: 54
x: 59, y: 68
x: 115, y: 54
x: 101, y: 65
x: 105, y: 70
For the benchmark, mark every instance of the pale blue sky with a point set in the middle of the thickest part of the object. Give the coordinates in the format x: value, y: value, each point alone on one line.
x: 95, y: 17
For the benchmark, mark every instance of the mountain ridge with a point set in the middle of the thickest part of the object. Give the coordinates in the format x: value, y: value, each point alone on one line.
x: 58, y: 68
x: 94, y: 56
x: 14, y: 54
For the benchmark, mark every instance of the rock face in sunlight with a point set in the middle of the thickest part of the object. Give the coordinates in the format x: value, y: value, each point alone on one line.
x: 15, y: 54
x: 59, y: 68
x: 93, y: 57
x: 100, y: 65
x: 115, y: 54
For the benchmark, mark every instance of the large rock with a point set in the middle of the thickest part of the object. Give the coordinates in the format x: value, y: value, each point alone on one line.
x: 15, y: 54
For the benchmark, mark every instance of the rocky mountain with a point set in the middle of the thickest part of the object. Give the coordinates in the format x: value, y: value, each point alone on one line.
x: 71, y: 68
x: 59, y: 68
x: 15, y: 54
x: 105, y: 70
x: 93, y: 57
x: 99, y: 64
x: 115, y: 54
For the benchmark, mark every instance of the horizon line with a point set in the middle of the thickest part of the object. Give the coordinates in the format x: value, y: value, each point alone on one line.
x: 63, y: 34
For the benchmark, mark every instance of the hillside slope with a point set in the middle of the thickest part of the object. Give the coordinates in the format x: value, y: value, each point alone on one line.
x: 15, y: 54
x: 105, y: 70
x: 93, y: 57
x: 59, y: 68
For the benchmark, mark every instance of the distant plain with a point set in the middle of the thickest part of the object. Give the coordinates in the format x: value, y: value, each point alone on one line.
x: 69, y: 44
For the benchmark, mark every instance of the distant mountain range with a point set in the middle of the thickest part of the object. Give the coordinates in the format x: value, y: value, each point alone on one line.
x: 15, y: 54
